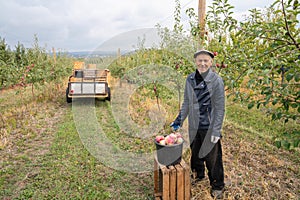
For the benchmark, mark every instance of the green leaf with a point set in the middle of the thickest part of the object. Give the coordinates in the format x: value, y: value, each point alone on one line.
x: 296, y: 143
x: 278, y: 144
x: 250, y: 105
x: 274, y: 116
x: 297, y: 77
x: 279, y: 115
x: 286, y: 105
x: 286, y: 144
x: 258, y: 105
x: 274, y: 102
x: 289, y: 77
x: 294, y: 105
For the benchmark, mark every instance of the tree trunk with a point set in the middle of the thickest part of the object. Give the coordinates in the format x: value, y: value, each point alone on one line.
x: 201, y: 17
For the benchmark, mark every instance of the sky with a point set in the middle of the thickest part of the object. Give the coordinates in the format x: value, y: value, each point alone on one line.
x: 84, y: 25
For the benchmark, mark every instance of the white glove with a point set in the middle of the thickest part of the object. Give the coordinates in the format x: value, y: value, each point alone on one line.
x: 214, y: 139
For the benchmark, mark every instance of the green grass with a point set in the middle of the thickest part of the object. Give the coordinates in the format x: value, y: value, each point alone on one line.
x: 65, y: 169
x: 257, y: 126
x: 69, y: 171
x: 255, y: 120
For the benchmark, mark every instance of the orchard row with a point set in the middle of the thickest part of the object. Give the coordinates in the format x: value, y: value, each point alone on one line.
x: 22, y: 66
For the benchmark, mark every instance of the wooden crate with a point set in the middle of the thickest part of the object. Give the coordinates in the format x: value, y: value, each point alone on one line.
x: 172, y: 182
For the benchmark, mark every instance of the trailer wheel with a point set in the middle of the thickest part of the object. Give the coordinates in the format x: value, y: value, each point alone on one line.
x: 68, y: 99
x: 108, y: 94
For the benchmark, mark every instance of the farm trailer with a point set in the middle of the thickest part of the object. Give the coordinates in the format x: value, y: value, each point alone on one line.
x: 88, y: 82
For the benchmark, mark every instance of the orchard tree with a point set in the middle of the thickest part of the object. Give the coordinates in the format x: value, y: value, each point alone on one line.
x: 6, y: 74
x: 23, y: 66
x: 259, y: 56
x: 20, y: 55
x: 265, y: 51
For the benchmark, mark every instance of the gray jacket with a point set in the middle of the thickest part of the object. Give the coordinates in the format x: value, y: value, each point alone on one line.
x: 194, y: 107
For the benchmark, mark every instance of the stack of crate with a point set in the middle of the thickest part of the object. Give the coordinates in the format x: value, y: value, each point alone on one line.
x: 172, y: 182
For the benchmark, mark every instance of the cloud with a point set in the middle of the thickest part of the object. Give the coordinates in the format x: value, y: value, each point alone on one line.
x: 83, y: 25
x: 242, y: 6
x: 19, y: 22
x: 131, y: 40
x: 77, y: 24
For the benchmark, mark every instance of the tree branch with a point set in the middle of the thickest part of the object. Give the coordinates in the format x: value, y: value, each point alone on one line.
x: 267, y: 38
x: 273, y: 50
x: 287, y: 27
x: 275, y: 39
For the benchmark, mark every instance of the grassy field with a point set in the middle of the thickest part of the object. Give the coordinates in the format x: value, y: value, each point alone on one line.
x: 42, y: 156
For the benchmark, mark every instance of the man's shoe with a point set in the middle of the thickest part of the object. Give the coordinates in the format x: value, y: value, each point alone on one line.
x: 217, y: 194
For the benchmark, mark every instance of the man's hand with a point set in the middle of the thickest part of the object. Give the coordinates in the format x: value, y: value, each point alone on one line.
x: 214, y: 139
x: 175, y: 126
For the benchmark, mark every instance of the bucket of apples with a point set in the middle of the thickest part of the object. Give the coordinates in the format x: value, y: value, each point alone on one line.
x: 169, y: 148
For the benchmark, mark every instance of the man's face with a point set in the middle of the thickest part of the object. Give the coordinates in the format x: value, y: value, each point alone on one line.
x: 203, y: 62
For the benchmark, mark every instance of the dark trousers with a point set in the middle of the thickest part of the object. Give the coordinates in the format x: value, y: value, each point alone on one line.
x: 213, y: 161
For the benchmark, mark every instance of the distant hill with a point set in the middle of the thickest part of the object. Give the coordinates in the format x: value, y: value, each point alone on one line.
x: 84, y: 54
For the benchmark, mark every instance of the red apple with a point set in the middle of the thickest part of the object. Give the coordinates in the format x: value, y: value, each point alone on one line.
x: 179, y: 140
x: 178, y: 135
x: 169, y: 140
x: 159, y: 138
x: 162, y: 142
x: 173, y: 135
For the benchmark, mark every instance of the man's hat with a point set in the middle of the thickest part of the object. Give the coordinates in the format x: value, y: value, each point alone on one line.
x: 203, y: 51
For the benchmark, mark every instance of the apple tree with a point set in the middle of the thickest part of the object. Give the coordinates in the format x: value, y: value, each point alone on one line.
x: 258, y: 57
x: 6, y: 74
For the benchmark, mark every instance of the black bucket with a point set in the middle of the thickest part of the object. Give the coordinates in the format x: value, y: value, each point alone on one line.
x: 169, y: 154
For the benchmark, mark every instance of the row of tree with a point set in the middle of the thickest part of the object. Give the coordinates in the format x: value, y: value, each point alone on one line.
x: 258, y: 57
x: 22, y: 66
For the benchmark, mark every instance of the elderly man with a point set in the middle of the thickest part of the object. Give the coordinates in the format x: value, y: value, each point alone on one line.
x: 204, y: 105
